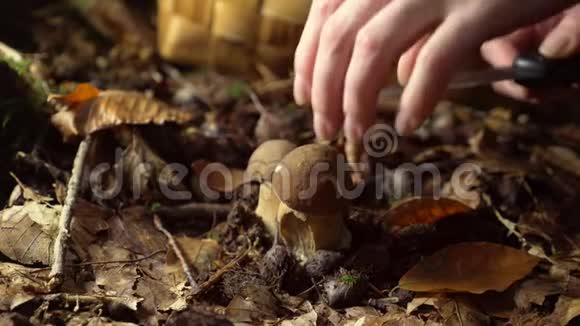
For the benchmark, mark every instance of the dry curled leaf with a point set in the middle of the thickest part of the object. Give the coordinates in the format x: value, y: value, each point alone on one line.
x: 27, y: 232
x: 88, y: 111
x: 473, y: 267
x: 423, y: 211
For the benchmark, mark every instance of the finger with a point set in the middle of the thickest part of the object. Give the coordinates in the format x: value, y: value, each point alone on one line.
x: 377, y: 46
x: 501, y: 52
x: 438, y: 60
x: 308, y: 47
x: 564, y: 40
x: 408, y: 59
x: 334, y: 53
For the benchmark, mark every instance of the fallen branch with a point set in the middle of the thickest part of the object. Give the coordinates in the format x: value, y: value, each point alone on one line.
x: 219, y: 211
x: 75, y: 300
x: 56, y: 275
x: 177, y: 250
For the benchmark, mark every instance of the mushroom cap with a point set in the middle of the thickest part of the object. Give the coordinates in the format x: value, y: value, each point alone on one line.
x: 265, y: 158
x: 306, y: 180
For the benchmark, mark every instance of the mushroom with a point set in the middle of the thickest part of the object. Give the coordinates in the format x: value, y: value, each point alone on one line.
x: 260, y: 168
x: 311, y: 213
x: 265, y: 158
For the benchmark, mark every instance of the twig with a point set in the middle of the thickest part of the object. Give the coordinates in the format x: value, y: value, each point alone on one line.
x: 37, y: 163
x: 257, y: 103
x: 218, y: 211
x: 177, y: 250
x: 75, y: 299
x: 458, y: 312
x: 57, y: 271
x: 218, y: 275
x: 107, y: 262
x: 314, y: 286
x: 126, y: 261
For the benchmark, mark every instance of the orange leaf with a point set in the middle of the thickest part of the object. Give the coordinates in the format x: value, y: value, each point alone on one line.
x: 114, y: 108
x: 423, y: 211
x: 81, y: 94
x: 473, y: 267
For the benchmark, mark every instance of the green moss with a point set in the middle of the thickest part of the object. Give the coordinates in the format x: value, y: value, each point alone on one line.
x: 155, y: 206
x: 349, y: 279
x: 238, y: 89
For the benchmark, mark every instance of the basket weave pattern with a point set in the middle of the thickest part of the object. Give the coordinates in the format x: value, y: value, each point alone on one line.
x: 231, y: 35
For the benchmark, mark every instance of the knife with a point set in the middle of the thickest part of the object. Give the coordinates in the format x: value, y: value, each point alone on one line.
x: 529, y: 69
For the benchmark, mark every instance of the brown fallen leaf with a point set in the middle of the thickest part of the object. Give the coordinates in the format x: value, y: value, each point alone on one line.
x: 254, y: 304
x: 307, y: 319
x: 89, y: 222
x: 199, y: 253
x: 535, y: 291
x: 454, y: 311
x: 28, y: 231
x: 473, y: 267
x: 88, y: 110
x: 19, y: 284
x: 424, y: 210
x: 370, y: 317
x: 566, y: 309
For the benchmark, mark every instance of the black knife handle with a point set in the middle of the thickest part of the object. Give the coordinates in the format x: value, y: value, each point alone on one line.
x: 534, y: 70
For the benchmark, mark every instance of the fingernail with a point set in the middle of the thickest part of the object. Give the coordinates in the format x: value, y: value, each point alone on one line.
x: 556, y: 46
x: 405, y: 125
x: 299, y: 96
x: 323, y: 129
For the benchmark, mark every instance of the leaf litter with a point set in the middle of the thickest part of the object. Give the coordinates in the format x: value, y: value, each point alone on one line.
x: 504, y: 251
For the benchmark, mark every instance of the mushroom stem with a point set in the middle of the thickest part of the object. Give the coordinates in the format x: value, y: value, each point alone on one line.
x: 267, y: 209
x: 307, y: 233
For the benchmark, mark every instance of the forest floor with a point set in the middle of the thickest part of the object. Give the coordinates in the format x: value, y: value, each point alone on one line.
x: 501, y: 245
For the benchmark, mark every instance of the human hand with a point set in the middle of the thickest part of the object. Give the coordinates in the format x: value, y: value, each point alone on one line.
x: 348, y: 47
x: 556, y: 37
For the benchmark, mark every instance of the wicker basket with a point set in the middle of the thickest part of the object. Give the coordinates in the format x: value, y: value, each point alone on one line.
x: 231, y: 35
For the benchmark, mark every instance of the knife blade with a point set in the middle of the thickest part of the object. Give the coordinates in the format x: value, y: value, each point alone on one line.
x: 463, y: 80
x: 529, y: 69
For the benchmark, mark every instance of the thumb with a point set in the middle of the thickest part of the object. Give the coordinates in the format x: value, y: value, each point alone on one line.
x: 564, y: 40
